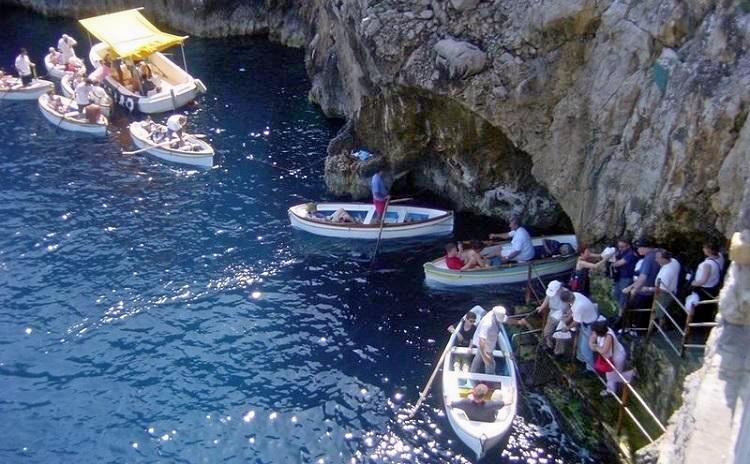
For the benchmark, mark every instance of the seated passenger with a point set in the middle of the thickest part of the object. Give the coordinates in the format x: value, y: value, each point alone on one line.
x: 472, y: 255
x: 53, y: 56
x: 477, y: 406
x: 465, y: 330
x: 341, y: 215
x: 452, y: 258
x: 54, y: 102
x: 102, y: 72
x: 74, y: 65
x: 521, y: 248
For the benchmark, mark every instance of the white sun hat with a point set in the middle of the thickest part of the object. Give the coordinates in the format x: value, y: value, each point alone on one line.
x: 553, y: 287
x: 499, y: 313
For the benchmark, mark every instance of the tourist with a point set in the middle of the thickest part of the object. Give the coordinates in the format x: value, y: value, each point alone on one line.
x: 24, y: 67
x: 668, y: 280
x: 148, y: 83
x: 521, y: 248
x: 53, y: 56
x: 465, y: 330
x: 379, y: 194
x: 478, y: 407
x: 101, y: 73
x: 66, y: 46
x: 452, y: 258
x: 587, y: 261
x: 604, y: 343
x: 555, y: 308
x: 82, y: 94
x: 623, y: 270
x: 175, y: 125
x: 471, y: 255
x: 707, y: 281
x: 74, y: 65
x: 583, y: 313
x: 485, y: 339
x: 341, y: 215
x: 6, y: 81
x: 649, y: 268
x: 55, y: 102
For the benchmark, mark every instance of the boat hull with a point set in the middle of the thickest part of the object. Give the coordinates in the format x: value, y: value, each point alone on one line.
x: 71, y: 124
x: 37, y: 88
x: 440, y: 225
x: 436, y: 274
x: 203, y: 160
x: 56, y: 72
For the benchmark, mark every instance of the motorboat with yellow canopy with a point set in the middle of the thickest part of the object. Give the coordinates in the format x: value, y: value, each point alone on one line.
x: 141, y: 78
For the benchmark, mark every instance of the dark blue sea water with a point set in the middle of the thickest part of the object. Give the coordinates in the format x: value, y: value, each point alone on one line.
x: 153, y: 313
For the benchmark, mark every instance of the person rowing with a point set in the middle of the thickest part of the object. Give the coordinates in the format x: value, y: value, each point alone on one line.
x: 66, y: 46
x: 23, y: 67
x: 82, y: 94
x: 176, y: 125
x: 521, y: 247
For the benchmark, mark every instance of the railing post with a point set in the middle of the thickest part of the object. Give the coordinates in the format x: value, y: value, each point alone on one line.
x: 685, y: 336
x: 528, y: 285
x: 624, y: 403
x: 652, y: 314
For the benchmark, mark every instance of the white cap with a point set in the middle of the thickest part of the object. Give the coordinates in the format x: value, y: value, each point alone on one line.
x: 553, y: 287
x: 499, y: 313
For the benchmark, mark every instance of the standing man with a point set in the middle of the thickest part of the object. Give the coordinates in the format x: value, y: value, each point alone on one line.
x: 23, y: 67
x: 379, y: 194
x: 65, y: 45
x: 638, y: 297
x: 667, y: 279
x: 520, y: 245
x: 485, y: 339
x: 82, y: 93
x: 585, y: 313
x: 623, y: 270
x: 175, y: 125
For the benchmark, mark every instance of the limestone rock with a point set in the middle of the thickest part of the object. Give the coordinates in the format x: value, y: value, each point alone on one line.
x: 459, y: 59
x: 463, y: 5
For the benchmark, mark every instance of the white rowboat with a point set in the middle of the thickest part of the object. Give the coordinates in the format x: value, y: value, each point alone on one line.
x: 457, y: 383
x: 178, y: 88
x: 33, y: 91
x: 58, y: 70
x: 203, y: 156
x: 104, y: 102
x: 71, y: 120
x: 401, y: 221
x: 437, y: 273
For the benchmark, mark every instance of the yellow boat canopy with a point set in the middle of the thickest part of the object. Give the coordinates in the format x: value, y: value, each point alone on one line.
x: 130, y: 34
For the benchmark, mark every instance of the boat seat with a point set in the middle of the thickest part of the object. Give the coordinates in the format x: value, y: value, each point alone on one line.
x: 473, y: 351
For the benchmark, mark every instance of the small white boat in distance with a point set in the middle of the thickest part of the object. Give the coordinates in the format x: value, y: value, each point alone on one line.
x: 458, y: 382
x: 67, y: 117
x: 401, y: 221
x: 196, y: 152
x: 58, y: 71
x: 437, y: 273
x: 11, y: 89
x: 129, y: 36
x: 104, y: 101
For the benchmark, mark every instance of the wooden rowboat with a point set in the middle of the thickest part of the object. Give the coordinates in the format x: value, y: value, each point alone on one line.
x: 71, y: 120
x: 458, y: 382
x: 199, y: 153
x: 401, y: 221
x: 437, y: 273
x: 33, y: 91
x: 104, y: 102
x: 58, y: 70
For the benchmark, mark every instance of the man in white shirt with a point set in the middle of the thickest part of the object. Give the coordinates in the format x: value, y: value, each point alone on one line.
x: 667, y: 279
x: 23, y: 67
x: 175, y: 125
x: 82, y: 94
x: 65, y: 45
x: 584, y: 313
x: 485, y: 339
x: 521, y: 248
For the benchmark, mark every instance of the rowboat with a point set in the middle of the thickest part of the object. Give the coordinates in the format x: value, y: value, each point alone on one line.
x: 72, y: 120
x: 14, y: 90
x: 437, y: 273
x: 174, y: 86
x: 401, y: 221
x: 58, y: 70
x: 458, y: 382
x: 103, y: 100
x: 196, y: 153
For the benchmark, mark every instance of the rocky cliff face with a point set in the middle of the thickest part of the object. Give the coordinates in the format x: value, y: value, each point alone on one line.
x: 629, y: 116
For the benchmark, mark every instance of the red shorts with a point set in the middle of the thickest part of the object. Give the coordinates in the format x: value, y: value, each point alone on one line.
x: 379, y: 207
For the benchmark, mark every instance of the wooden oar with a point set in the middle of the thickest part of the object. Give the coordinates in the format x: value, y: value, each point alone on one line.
x: 426, y: 390
x: 380, y: 231
x: 148, y: 148
x: 401, y: 200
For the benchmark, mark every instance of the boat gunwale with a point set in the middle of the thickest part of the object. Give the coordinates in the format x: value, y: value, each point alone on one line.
x: 356, y: 225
